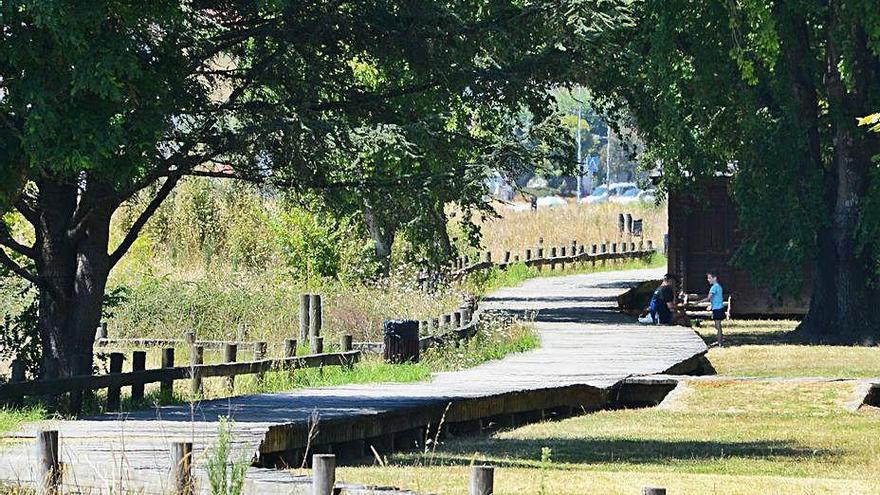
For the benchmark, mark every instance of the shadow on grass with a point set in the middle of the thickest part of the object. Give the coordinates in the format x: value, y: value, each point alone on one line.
x: 734, y: 337
x: 527, y: 453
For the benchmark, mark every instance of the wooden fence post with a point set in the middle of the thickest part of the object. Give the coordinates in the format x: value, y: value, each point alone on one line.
x: 304, y: 318
x: 345, y: 343
x: 167, y: 386
x: 229, y: 355
x: 650, y: 490
x: 259, y: 355
x: 317, y: 345
x: 621, y: 222
x: 435, y: 325
x: 528, y: 255
x: 17, y: 375
x: 181, y: 468
x: 456, y: 319
x: 315, y: 311
x: 447, y: 321
x: 506, y: 257
x: 488, y: 258
x: 138, y: 363
x: 552, y: 258
x: 650, y: 245
x: 465, y: 314
x: 289, y: 348
x: 113, y: 392
x: 323, y: 474
x: 482, y: 480
x: 49, y: 467
x: 197, y: 358
x: 629, y: 223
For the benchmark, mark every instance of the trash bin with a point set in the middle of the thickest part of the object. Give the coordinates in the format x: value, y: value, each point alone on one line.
x: 402, y: 341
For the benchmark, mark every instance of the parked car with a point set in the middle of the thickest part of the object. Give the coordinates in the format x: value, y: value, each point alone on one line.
x: 624, y: 194
x: 551, y: 201
x: 598, y: 196
x: 648, y: 196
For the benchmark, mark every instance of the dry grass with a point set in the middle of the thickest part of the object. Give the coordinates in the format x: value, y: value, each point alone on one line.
x: 722, y: 438
x: 588, y: 224
x: 767, y: 348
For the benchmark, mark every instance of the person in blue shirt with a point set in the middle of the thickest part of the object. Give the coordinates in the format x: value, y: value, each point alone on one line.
x: 716, y: 303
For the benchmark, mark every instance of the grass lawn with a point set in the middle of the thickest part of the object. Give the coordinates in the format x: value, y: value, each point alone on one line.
x: 766, y: 348
x: 716, y: 438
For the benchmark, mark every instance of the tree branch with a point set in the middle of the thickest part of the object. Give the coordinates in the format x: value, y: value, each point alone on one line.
x: 141, y: 221
x: 17, y: 269
x: 7, y: 240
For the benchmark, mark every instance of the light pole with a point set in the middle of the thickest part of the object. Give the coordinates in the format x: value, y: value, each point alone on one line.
x: 608, y: 158
x: 580, y: 161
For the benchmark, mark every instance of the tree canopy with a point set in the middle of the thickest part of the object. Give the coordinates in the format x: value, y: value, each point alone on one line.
x: 104, y: 100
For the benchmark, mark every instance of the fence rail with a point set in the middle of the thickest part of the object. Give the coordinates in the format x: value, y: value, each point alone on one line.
x: 17, y: 390
x: 557, y: 256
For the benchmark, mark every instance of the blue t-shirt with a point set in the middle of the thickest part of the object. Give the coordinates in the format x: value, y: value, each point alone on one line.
x: 716, y: 297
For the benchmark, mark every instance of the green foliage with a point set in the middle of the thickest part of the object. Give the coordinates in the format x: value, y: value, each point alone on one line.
x: 226, y: 475
x: 745, y: 89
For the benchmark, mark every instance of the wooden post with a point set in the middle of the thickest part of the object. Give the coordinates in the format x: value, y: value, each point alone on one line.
x: 629, y: 223
x: 632, y: 246
x: 465, y: 314
x: 181, y: 468
x: 506, y: 257
x: 528, y: 255
x: 229, y: 355
x: 650, y: 490
x: 552, y: 257
x: 488, y: 258
x: 289, y: 348
x: 345, y: 343
x: 447, y: 321
x: 259, y: 355
x: 138, y: 363
x: 167, y: 386
x: 650, y: 245
x: 614, y: 248
x: 304, y: 318
x: 456, y: 319
x: 621, y: 220
x: 323, y: 474
x: 196, y: 358
x: 563, y: 252
x: 482, y: 480
x: 317, y: 345
x: 435, y: 324
x: 314, y: 316
x: 113, y: 392
x: 49, y: 464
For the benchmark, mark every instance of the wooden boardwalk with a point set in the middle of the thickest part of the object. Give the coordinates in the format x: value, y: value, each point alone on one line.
x: 587, y: 349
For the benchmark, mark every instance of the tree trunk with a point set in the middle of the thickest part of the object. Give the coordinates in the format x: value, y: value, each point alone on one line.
x: 844, y: 302
x: 383, y: 237
x: 74, y: 273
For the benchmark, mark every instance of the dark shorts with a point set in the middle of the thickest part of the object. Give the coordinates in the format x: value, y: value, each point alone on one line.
x: 719, y: 314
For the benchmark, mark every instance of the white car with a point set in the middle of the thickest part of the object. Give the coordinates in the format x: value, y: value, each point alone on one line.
x: 551, y: 201
x: 649, y: 196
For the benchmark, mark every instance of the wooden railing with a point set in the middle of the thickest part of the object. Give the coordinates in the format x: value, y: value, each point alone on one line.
x: 14, y: 392
x: 556, y: 256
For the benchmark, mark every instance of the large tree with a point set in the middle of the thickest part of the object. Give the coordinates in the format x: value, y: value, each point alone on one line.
x: 101, y: 100
x: 770, y: 92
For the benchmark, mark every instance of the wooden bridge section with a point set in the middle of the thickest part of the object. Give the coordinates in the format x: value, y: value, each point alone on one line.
x: 587, y: 350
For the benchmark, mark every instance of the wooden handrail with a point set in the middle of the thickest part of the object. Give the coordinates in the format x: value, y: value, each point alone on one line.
x: 93, y: 382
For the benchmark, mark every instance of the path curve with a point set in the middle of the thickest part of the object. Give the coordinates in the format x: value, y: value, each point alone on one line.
x: 586, y: 346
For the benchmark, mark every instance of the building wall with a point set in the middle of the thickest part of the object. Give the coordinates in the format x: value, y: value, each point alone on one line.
x: 703, y: 236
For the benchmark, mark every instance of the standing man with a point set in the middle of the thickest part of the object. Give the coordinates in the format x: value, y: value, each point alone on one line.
x: 716, y: 303
x: 663, y: 301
